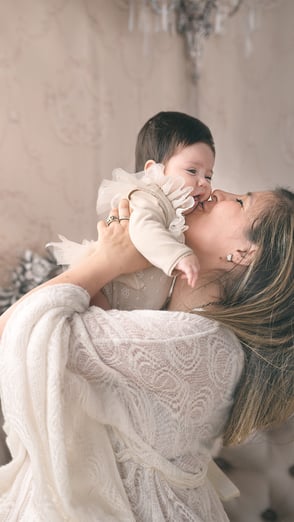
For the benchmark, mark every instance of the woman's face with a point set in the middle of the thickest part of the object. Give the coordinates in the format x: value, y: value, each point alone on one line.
x: 219, y: 227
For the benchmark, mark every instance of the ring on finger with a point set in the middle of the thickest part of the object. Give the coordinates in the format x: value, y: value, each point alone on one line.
x: 124, y: 218
x: 110, y: 219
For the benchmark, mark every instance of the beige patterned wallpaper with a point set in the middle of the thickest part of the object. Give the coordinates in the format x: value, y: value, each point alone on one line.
x: 76, y: 86
x: 247, y: 98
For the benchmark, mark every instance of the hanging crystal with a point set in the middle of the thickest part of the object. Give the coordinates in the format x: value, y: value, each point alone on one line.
x: 195, y: 20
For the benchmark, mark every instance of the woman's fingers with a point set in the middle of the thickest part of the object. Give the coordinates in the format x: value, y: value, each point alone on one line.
x: 113, y: 217
x: 114, y: 240
x: 124, y: 211
x: 114, y: 212
x: 118, y: 216
x: 124, y: 208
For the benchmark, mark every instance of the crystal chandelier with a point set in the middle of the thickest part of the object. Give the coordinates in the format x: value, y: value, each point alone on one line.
x: 195, y: 20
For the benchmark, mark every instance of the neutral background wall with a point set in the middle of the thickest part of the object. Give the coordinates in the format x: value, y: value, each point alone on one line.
x: 248, y: 99
x: 76, y: 86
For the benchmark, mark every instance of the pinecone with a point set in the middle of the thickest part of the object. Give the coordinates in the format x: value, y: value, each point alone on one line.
x: 32, y: 270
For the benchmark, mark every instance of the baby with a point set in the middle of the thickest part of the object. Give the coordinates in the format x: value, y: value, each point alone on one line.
x: 174, y: 162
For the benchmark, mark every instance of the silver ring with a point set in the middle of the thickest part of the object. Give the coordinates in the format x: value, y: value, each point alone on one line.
x: 124, y: 219
x: 110, y: 219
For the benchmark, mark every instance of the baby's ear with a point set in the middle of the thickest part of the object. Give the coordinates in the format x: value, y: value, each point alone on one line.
x: 148, y: 164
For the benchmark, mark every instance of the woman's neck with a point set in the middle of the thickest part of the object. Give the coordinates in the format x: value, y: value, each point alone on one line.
x: 184, y: 298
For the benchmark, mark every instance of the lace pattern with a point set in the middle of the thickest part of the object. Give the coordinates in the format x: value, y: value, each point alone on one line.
x: 103, y: 388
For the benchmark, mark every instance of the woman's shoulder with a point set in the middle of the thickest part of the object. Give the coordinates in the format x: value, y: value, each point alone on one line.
x: 178, y: 322
x: 167, y: 326
x: 162, y: 336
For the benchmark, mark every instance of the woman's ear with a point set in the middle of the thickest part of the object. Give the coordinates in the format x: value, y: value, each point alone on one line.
x: 244, y: 257
x: 148, y: 164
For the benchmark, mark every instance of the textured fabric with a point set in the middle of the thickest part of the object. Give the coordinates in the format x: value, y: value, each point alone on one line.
x: 147, y: 290
x: 112, y: 416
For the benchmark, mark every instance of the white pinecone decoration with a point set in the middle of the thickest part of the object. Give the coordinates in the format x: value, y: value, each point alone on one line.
x: 32, y: 270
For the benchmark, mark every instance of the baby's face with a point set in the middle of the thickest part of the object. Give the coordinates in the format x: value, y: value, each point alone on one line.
x: 194, y: 164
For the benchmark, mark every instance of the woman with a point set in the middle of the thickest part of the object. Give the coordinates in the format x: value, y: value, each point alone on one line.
x: 114, y: 416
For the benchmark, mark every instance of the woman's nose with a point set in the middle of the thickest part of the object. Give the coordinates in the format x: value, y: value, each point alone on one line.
x: 221, y: 195
x: 218, y: 195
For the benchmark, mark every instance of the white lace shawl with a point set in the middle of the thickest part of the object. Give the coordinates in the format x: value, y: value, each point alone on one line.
x: 111, y: 416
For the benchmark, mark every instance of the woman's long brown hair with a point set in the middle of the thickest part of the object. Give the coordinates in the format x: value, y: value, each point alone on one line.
x: 258, y: 306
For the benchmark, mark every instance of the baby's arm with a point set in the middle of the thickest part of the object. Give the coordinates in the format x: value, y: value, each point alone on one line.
x: 189, y: 267
x: 149, y: 231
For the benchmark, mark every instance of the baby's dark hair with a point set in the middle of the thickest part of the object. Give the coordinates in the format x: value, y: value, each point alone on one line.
x: 162, y: 134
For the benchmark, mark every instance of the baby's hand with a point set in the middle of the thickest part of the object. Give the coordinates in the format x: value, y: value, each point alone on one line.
x: 189, y: 266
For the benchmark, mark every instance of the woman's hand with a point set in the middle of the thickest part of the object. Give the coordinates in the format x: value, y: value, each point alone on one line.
x: 115, y: 244
x: 113, y: 254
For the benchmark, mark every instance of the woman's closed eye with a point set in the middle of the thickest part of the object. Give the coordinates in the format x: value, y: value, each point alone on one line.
x: 240, y: 201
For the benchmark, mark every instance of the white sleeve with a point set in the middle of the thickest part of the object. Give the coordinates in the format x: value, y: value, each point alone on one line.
x: 181, y: 368
x: 149, y: 232
x: 76, y: 382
